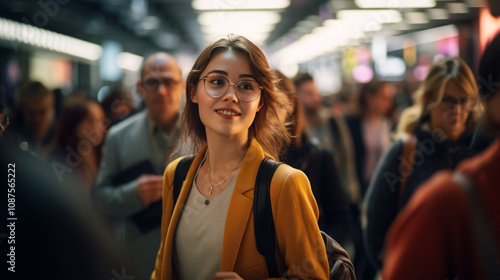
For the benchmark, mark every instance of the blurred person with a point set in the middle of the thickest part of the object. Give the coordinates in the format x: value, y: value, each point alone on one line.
x: 319, y: 166
x: 436, y: 128
x: 128, y: 187
x: 78, y: 141
x: 370, y: 128
x: 233, y: 116
x: 339, y: 104
x: 370, y: 131
x: 55, y: 235
x: 439, y: 234
x: 34, y: 124
x: 118, y: 105
x: 327, y: 131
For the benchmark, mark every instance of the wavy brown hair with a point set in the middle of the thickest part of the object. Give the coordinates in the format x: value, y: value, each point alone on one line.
x: 268, y: 126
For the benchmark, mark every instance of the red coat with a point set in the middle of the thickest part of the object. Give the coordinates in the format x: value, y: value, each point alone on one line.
x: 432, y: 238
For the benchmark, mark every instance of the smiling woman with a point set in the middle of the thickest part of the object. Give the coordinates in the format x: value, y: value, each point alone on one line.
x: 232, y: 117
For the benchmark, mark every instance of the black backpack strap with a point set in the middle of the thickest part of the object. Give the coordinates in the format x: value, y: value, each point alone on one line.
x: 180, y: 175
x: 263, y: 215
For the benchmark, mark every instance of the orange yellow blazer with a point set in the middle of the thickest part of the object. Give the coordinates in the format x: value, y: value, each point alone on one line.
x: 295, y: 212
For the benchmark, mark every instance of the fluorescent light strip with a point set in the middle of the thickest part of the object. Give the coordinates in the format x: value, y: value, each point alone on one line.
x: 399, y: 4
x: 129, y: 61
x: 379, y: 16
x: 325, y: 39
x: 416, y: 18
x: 232, y: 18
x: 204, y: 5
x: 41, y: 38
x: 438, y: 14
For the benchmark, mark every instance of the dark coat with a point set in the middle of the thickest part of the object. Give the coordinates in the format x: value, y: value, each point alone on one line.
x: 318, y: 164
x: 382, y: 198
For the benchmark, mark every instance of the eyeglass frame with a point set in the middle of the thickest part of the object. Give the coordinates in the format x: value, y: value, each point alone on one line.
x: 174, y: 83
x: 456, y: 102
x: 204, y: 78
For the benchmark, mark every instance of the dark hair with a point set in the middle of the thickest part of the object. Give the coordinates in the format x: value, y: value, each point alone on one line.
x: 489, y: 69
x: 301, y: 78
x: 72, y: 115
x: 33, y: 90
x: 268, y: 127
x: 369, y: 88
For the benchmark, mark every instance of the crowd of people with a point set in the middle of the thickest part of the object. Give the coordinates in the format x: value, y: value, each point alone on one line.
x: 385, y: 189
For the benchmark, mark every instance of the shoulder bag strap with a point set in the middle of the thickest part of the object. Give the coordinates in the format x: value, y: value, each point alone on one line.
x: 263, y: 215
x: 481, y: 227
x: 180, y: 175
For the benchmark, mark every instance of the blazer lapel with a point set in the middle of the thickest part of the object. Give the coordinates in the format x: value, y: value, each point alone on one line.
x: 241, y: 205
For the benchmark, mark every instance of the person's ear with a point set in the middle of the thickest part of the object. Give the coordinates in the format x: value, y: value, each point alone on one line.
x: 140, y: 89
x: 194, y: 96
x: 261, y: 104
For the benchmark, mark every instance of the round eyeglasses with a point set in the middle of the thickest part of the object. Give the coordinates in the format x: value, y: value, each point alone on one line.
x: 247, y: 90
x: 466, y: 103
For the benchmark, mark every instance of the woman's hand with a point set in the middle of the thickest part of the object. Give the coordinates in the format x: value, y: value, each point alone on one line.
x: 226, y: 275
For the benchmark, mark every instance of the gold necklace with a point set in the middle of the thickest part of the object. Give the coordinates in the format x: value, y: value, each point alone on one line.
x: 212, y: 186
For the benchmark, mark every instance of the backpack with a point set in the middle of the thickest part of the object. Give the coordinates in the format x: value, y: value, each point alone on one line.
x: 341, y: 267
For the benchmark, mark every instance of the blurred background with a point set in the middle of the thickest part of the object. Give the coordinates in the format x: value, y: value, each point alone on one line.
x: 90, y: 47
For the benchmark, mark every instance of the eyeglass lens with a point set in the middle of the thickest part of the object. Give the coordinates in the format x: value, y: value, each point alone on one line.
x: 247, y: 90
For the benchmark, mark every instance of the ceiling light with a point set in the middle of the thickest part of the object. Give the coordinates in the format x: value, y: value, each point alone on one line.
x: 204, y: 5
x: 17, y: 32
x: 129, y: 61
x: 458, y: 8
x: 438, y: 14
x: 395, y: 4
x: 416, y: 18
x: 230, y: 18
x: 379, y: 16
x: 237, y: 28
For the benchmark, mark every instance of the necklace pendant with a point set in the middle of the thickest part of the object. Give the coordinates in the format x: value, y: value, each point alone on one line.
x: 211, y: 191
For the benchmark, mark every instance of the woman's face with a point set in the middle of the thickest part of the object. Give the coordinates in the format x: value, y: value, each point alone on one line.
x: 226, y: 115
x: 92, y: 127
x: 450, y: 115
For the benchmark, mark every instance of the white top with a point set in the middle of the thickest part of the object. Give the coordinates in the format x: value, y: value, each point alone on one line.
x: 197, y: 247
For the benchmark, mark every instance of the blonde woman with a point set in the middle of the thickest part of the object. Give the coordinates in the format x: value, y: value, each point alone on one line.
x: 447, y: 107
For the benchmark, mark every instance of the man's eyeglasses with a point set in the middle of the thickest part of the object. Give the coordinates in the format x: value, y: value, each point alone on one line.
x: 154, y: 83
x: 466, y: 103
x: 247, y: 90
